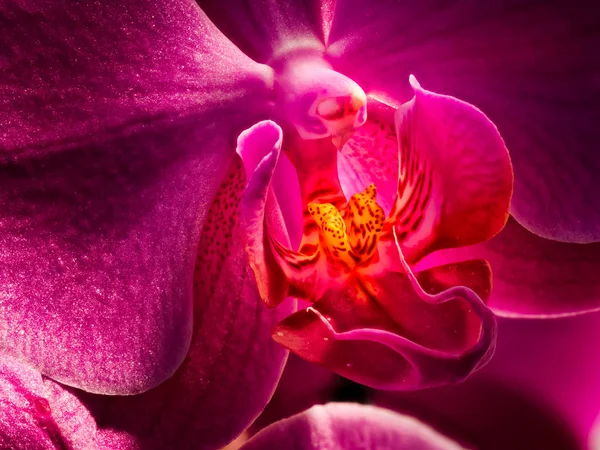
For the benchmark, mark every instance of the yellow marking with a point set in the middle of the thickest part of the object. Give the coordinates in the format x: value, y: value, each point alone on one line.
x: 364, y: 219
x: 351, y: 236
x: 332, y: 232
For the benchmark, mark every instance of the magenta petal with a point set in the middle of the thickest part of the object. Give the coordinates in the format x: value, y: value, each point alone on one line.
x: 266, y: 29
x: 455, y: 176
x: 530, y: 66
x: 347, y: 426
x: 533, y: 276
x: 233, y: 365
x: 542, y: 385
x: 382, y: 333
x: 99, y: 234
x: 34, y: 414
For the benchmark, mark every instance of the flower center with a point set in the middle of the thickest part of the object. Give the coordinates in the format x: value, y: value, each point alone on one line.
x: 350, y: 235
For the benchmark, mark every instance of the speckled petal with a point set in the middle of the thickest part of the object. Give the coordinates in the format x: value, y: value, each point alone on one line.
x: 349, y: 426
x: 266, y: 29
x: 114, y: 146
x: 530, y: 66
x: 233, y: 365
x: 533, y: 276
x: 382, y: 333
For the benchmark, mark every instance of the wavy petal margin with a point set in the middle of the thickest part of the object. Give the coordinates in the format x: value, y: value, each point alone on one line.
x: 535, y: 277
x: 399, y: 337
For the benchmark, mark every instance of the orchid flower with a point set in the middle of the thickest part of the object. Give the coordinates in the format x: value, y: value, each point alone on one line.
x: 372, y: 319
x: 127, y: 295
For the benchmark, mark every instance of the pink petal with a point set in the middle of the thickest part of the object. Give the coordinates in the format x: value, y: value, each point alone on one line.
x: 392, y: 338
x: 347, y: 426
x: 533, y: 276
x: 265, y: 30
x: 530, y: 66
x: 233, y: 365
x: 33, y: 413
x: 108, y: 182
x: 455, y: 175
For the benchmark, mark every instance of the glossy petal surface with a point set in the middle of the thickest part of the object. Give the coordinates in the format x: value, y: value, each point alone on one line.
x: 233, y: 365
x: 533, y: 276
x: 382, y: 334
x: 347, y: 426
x: 99, y: 234
x: 530, y: 66
x: 266, y: 29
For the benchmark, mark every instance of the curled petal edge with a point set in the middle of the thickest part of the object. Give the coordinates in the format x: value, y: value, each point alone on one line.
x: 455, y: 175
x: 260, y: 147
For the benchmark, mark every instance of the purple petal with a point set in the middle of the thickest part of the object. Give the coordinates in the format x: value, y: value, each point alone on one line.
x: 533, y: 276
x: 266, y: 29
x: 233, y: 365
x: 529, y: 66
x: 69, y: 69
x: 260, y: 147
x: 347, y: 426
x: 99, y: 234
x: 554, y: 361
x: 33, y: 413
